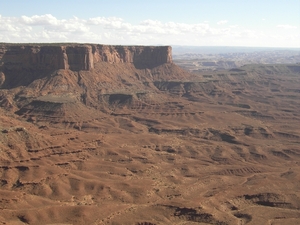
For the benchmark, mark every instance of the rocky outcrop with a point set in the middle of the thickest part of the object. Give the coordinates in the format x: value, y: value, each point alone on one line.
x: 20, y: 64
x: 48, y: 57
x: 79, y: 56
x: 140, y: 56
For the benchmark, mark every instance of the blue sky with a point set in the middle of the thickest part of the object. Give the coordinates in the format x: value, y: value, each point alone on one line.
x: 258, y: 23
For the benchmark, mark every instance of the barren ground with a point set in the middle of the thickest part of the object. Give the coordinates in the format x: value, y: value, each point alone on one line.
x: 218, y: 148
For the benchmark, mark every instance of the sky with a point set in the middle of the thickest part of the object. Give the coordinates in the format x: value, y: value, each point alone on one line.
x: 250, y: 23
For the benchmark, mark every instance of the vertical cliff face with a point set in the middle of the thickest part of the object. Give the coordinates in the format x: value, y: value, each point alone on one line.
x: 32, y: 57
x: 46, y: 57
x: 22, y: 63
x: 140, y: 56
x: 79, y: 57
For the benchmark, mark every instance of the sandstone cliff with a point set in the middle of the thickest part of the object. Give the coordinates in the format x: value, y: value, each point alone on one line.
x: 140, y: 56
x: 27, y: 62
x: 79, y: 56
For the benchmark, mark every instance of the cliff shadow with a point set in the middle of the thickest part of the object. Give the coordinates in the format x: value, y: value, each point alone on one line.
x: 12, y: 79
x: 145, y: 65
x: 21, y: 65
x: 151, y: 57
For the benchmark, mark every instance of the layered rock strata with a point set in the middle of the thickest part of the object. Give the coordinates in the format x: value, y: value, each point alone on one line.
x: 20, y: 64
x: 140, y: 56
x: 79, y: 56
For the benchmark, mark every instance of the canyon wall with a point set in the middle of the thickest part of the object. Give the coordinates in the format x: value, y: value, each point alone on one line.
x: 78, y: 56
x: 140, y: 56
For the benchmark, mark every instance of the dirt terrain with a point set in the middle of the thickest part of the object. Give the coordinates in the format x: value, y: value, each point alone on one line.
x: 121, y: 143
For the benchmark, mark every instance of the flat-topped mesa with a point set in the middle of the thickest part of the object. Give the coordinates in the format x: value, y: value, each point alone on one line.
x: 77, y: 57
x: 46, y: 57
x: 140, y: 56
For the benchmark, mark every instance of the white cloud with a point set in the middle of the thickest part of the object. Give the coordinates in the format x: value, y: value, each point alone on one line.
x: 286, y: 26
x: 222, y: 22
x: 114, y: 30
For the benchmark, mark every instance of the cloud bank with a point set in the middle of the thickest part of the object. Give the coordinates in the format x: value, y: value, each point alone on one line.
x: 113, y: 30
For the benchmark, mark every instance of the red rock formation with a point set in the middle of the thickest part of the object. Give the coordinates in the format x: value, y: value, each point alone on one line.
x: 20, y: 57
x: 20, y: 64
x: 79, y: 57
x: 141, y: 56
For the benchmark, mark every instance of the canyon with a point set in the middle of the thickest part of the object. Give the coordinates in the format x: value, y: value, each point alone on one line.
x: 98, y: 134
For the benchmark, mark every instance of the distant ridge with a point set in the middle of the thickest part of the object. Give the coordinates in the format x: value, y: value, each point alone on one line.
x: 181, y: 49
